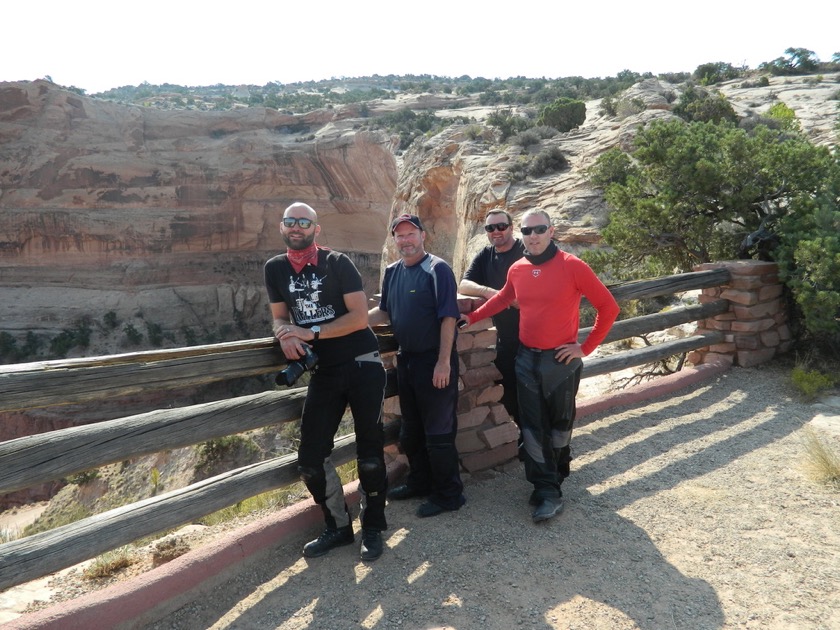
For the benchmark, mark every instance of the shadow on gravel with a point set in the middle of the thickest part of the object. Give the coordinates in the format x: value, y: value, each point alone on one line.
x: 488, y: 566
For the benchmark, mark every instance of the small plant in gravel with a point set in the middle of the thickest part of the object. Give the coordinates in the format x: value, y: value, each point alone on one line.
x: 822, y: 461
x: 811, y: 383
x: 110, y: 563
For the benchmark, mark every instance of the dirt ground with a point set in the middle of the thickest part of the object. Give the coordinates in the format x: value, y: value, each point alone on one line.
x: 692, y: 511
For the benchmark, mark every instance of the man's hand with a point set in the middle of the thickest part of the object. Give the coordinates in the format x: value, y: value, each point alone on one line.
x: 440, y: 377
x: 463, y: 322
x: 567, y: 352
x: 292, y: 340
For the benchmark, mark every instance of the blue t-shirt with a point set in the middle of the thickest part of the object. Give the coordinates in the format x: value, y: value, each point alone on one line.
x: 416, y: 299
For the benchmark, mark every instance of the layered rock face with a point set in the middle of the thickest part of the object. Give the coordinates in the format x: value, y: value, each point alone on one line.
x: 453, y: 179
x: 106, y: 207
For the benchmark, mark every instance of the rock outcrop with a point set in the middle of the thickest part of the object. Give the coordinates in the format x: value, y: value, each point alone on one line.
x: 107, y: 207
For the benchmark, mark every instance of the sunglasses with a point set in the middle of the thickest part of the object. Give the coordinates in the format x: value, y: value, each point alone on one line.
x: 501, y: 227
x: 539, y: 229
x: 292, y: 221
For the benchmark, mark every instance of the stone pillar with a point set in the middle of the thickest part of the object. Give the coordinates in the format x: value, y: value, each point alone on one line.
x: 487, y: 436
x: 755, y: 327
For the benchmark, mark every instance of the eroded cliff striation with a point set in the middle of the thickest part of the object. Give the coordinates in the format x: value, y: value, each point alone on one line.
x: 108, y: 207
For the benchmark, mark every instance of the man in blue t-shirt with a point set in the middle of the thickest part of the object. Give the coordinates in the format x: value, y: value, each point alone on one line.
x: 317, y: 301
x: 419, y: 297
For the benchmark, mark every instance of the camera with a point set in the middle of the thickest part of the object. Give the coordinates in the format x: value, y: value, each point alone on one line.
x: 294, y: 369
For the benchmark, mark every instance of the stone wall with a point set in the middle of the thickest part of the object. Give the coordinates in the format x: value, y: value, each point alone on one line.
x: 755, y: 327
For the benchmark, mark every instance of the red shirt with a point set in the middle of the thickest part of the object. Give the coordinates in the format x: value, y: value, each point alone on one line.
x: 549, y: 302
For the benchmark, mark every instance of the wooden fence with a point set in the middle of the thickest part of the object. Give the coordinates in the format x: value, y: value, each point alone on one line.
x: 34, y: 459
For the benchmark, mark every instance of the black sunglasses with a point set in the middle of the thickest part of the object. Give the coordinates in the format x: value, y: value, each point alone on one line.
x: 539, y: 229
x: 496, y: 226
x: 303, y: 223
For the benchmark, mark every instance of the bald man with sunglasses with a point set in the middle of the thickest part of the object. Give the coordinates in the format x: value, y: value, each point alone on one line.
x: 548, y: 285
x: 317, y: 301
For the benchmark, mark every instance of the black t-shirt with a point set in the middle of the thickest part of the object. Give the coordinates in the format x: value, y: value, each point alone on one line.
x: 316, y: 296
x: 489, y: 269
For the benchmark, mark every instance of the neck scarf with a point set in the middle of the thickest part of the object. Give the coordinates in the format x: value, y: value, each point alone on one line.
x: 549, y: 253
x: 299, y: 258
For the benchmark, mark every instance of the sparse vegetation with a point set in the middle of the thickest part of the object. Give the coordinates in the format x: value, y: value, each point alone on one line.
x: 110, y: 563
x: 821, y: 460
x: 811, y: 383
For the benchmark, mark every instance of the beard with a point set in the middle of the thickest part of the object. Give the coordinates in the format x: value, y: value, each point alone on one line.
x: 302, y: 243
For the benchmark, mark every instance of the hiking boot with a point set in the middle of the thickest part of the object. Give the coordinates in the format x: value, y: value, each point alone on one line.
x: 430, y: 508
x: 400, y: 493
x: 330, y: 538
x: 371, y: 544
x: 549, y: 508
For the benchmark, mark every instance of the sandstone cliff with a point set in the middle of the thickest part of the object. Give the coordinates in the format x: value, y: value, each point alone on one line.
x: 107, y: 207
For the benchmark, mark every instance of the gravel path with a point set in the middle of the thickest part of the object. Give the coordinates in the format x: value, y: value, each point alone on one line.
x: 694, y: 511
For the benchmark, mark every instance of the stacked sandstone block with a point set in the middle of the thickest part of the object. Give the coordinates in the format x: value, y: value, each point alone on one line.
x: 487, y: 436
x: 755, y: 327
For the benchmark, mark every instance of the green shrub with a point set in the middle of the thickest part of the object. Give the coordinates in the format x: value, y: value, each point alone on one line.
x: 784, y: 115
x: 811, y: 383
x: 135, y: 337
x: 711, y: 73
x: 526, y: 138
x: 508, y: 123
x: 549, y: 160
x: 564, y: 114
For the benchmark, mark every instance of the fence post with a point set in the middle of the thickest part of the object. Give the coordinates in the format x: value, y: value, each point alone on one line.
x: 755, y: 327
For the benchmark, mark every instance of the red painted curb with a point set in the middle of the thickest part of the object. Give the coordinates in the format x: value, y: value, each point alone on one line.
x: 127, y: 601
x: 660, y: 386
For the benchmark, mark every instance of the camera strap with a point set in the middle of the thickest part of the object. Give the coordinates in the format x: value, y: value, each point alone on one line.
x: 370, y: 357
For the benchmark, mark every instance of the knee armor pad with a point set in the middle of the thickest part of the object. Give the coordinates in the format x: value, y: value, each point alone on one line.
x: 371, y: 474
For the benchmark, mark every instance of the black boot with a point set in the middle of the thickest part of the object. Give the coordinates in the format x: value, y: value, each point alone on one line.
x: 371, y: 544
x: 329, y: 538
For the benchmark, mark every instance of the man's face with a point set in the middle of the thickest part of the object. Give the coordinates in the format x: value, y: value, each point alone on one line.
x: 535, y: 243
x: 500, y: 239
x: 296, y: 236
x: 409, y: 240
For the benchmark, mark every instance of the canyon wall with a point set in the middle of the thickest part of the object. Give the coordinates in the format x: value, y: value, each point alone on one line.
x: 170, y: 214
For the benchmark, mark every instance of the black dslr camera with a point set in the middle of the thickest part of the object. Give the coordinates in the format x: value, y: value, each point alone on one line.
x: 294, y: 369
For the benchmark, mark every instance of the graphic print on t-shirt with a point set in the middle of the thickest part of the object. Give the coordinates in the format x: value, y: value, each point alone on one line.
x: 306, y: 293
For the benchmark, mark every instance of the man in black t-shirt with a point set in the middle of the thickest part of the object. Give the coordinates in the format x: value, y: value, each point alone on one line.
x: 484, y: 277
x: 317, y: 300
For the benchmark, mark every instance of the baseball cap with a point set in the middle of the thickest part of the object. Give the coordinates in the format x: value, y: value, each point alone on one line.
x: 410, y: 218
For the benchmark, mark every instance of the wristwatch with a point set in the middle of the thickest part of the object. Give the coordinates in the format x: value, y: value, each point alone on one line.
x: 317, y: 331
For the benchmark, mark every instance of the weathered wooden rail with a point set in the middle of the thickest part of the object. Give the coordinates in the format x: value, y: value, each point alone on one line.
x: 34, y: 459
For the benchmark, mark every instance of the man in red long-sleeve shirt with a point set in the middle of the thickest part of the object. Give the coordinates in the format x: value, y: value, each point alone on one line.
x: 548, y: 284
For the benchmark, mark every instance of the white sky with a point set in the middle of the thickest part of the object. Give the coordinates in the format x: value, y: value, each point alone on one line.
x: 97, y: 44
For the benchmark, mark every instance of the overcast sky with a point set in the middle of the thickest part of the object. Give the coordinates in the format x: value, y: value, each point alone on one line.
x: 97, y: 45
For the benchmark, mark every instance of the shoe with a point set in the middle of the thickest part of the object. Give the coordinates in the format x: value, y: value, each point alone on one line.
x: 534, y: 499
x: 549, y: 508
x: 371, y: 544
x: 327, y: 540
x: 430, y: 508
x: 400, y: 493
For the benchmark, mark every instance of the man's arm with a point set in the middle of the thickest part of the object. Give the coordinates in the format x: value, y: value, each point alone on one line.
x: 281, y: 324
x: 354, y: 319
x: 377, y: 317
x: 474, y: 289
x: 443, y: 368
